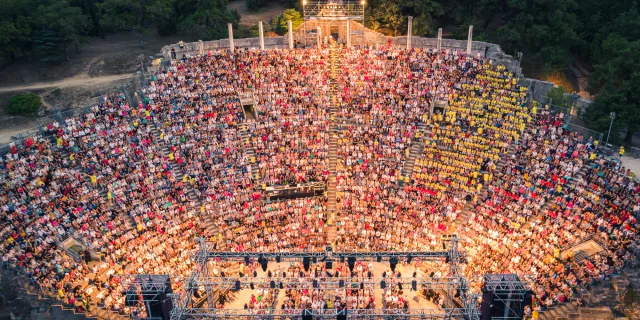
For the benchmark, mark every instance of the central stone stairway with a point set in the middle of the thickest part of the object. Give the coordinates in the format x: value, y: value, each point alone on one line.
x: 178, y: 172
x: 251, y: 154
x: 417, y: 147
x: 334, y: 68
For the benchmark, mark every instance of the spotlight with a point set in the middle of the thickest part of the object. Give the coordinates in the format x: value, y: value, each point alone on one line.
x: 414, y: 285
x: 383, y: 285
x: 352, y: 263
x: 409, y: 258
x: 263, y: 263
x: 305, y: 262
x: 393, y: 261
x: 237, y: 286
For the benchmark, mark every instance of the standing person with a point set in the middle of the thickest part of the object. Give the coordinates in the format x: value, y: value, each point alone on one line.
x: 621, y: 152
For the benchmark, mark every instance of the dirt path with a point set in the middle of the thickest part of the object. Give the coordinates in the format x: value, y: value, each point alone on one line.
x: 251, y: 18
x: 77, y: 81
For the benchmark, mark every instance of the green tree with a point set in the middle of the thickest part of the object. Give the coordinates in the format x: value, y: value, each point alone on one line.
x: 45, y: 44
x: 558, y: 97
x: 424, y: 12
x: 204, y: 20
x: 23, y: 104
x: 392, y: 15
x: 136, y: 16
x: 67, y: 22
x: 16, y: 27
x: 616, y: 80
x: 389, y: 16
x: 545, y: 30
x: 280, y: 23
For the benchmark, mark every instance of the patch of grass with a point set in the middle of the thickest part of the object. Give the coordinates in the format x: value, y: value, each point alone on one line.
x: 56, y: 91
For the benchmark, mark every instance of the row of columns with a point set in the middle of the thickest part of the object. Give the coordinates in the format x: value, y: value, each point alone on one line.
x: 290, y: 35
x: 438, y: 44
x: 260, y: 35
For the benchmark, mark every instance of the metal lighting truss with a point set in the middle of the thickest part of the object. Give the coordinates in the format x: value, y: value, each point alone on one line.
x: 143, y: 282
x: 500, y: 283
x: 333, y: 11
x: 510, y: 290
x: 444, y: 313
x: 184, y: 306
x: 143, y: 288
x: 445, y: 283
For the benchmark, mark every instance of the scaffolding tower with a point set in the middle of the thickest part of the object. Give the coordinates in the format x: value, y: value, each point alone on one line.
x: 505, y: 296
x: 201, y: 283
x: 327, y: 17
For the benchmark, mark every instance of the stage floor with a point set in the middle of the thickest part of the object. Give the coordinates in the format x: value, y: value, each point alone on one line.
x: 244, y: 296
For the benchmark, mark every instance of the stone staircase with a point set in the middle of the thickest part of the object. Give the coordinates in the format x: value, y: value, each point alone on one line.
x: 334, y: 67
x: 417, y: 149
x: 571, y: 185
x: 101, y: 190
x: 25, y: 301
x: 178, y: 172
x: 465, y: 213
x: 250, y: 152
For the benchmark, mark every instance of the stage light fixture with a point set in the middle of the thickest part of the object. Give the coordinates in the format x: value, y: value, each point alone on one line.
x: 305, y: 262
x: 393, y: 261
x: 352, y: 263
x: 263, y: 263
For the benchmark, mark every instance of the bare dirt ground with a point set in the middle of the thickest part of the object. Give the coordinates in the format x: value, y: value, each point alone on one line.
x: 73, y: 93
x: 251, y: 18
x: 102, y: 66
x: 76, y: 81
x: 116, y: 54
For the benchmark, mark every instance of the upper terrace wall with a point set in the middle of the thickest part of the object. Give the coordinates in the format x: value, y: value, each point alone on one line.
x: 196, y: 47
x: 371, y: 38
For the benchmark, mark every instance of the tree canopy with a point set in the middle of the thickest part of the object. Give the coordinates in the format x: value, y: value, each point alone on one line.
x: 280, y: 23
x: 46, y: 28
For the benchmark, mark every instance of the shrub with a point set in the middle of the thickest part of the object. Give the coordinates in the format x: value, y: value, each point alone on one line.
x: 23, y: 104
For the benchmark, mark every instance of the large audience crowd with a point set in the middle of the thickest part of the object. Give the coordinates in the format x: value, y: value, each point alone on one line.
x: 119, y: 178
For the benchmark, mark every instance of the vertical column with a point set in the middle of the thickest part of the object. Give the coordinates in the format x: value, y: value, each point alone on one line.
x: 290, y: 25
x: 470, y: 39
x: 409, y: 32
x: 261, y: 34
x: 231, y: 46
x: 439, y: 44
x: 319, y: 37
x: 201, y: 47
x: 348, y: 33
